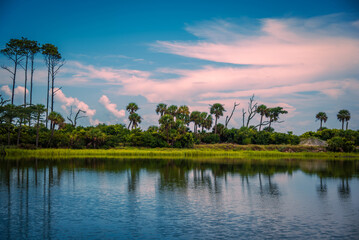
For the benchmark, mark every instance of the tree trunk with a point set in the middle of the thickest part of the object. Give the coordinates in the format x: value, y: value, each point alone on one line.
x: 27, y: 58
x: 52, y: 88
x: 31, y: 78
x: 37, y: 131
x: 47, y: 99
x: 343, y: 124
x: 19, y: 133
x: 347, y: 125
x: 13, y: 79
x: 215, y: 126
x: 321, y: 122
x: 8, y: 135
x: 260, y: 124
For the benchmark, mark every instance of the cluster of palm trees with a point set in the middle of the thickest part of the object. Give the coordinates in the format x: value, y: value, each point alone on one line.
x: 200, y: 119
x: 22, y: 51
x: 343, y: 116
x: 271, y: 113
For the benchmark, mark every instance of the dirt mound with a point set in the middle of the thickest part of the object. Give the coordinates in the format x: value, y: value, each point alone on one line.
x: 313, y: 142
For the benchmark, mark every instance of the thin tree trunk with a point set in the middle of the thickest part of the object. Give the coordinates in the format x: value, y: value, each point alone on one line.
x: 52, y: 88
x: 343, y: 124
x: 31, y: 78
x: 260, y: 124
x: 215, y: 126
x: 26, y: 62
x: 19, y: 134
x: 47, y: 100
x: 347, y: 125
x: 13, y: 80
x: 8, y: 135
x: 37, y: 131
x: 321, y: 122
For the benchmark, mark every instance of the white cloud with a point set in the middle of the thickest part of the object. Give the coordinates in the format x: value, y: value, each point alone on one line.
x: 111, y: 107
x: 19, y: 90
x: 74, y: 102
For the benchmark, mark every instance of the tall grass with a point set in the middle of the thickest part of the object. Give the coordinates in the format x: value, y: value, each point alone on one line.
x: 163, y: 153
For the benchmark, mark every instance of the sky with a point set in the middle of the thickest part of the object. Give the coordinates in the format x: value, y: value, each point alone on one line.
x: 300, y: 55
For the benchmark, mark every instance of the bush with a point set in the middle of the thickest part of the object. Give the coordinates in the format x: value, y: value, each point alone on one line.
x: 210, y: 138
x: 339, y: 144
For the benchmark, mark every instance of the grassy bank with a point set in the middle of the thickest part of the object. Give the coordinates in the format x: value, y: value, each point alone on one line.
x: 201, y: 151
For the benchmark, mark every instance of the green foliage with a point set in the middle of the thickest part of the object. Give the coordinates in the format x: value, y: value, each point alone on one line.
x: 340, y: 144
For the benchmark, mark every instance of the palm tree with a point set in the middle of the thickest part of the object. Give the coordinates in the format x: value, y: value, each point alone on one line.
x: 208, y: 122
x: 322, y: 117
x: 131, y: 108
x: 56, y: 119
x: 172, y: 110
x: 161, y: 108
x: 135, y: 119
x: 183, y: 114
x: 273, y: 114
x: 343, y: 115
x: 261, y: 109
x: 195, y: 118
x: 166, y: 121
x: 202, y: 119
x: 217, y: 109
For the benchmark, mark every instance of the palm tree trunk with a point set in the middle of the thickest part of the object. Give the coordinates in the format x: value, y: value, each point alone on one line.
x: 347, y: 125
x: 260, y: 124
x: 215, y: 126
x: 343, y: 124
x: 321, y: 122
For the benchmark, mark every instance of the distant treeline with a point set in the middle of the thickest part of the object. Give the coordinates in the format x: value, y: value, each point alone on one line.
x: 28, y: 125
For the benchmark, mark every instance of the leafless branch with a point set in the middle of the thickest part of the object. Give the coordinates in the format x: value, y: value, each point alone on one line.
x: 228, y: 118
x: 7, y: 69
x: 252, y: 107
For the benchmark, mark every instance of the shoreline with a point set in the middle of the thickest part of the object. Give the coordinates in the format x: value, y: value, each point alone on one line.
x: 216, y: 151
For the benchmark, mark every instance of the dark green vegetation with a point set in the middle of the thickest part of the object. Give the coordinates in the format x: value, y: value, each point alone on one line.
x: 34, y: 125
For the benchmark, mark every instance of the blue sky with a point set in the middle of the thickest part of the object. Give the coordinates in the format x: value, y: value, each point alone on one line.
x: 302, y: 55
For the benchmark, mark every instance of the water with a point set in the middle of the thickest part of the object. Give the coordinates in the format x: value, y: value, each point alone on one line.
x: 154, y: 199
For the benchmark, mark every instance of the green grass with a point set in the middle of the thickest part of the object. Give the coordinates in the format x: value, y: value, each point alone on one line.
x: 163, y: 153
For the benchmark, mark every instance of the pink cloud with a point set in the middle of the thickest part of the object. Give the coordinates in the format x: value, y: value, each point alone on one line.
x: 111, y: 107
x: 70, y: 101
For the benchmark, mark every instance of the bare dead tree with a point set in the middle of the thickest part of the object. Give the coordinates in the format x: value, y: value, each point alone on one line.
x: 252, y: 107
x: 77, y: 117
x: 243, y: 116
x: 228, y: 118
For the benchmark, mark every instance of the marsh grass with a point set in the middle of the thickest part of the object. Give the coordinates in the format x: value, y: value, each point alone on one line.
x: 170, y: 153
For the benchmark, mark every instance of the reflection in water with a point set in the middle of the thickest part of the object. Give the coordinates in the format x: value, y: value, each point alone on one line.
x: 34, y: 192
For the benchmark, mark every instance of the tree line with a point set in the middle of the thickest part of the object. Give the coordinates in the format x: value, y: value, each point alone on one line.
x: 21, y: 53
x: 27, y: 124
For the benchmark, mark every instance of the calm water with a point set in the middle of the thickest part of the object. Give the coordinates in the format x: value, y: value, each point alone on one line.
x: 152, y: 199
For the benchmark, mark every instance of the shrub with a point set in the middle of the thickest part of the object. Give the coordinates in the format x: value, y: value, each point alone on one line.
x: 339, y: 144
